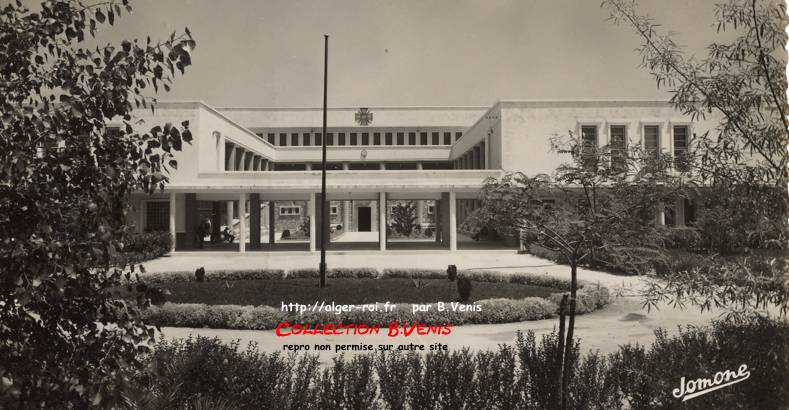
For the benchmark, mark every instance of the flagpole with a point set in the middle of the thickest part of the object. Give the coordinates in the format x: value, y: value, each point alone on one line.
x: 323, y: 233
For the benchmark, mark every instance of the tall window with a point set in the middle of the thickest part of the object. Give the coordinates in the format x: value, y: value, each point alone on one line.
x: 354, y: 139
x: 411, y: 138
x: 283, y: 139
x: 422, y: 138
x: 306, y: 139
x: 319, y: 139
x: 157, y: 216
x: 341, y: 138
x: 434, y: 138
x: 652, y: 140
x: 294, y: 139
x: 447, y: 138
x: 681, y: 147
x: 329, y: 138
x: 376, y: 138
x: 388, y: 138
x: 458, y: 135
x: 589, y: 145
x: 618, y: 145
x: 365, y: 138
x: 400, y: 138
x: 270, y: 138
x: 290, y: 210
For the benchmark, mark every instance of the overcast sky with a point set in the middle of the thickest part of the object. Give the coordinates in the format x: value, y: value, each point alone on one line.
x: 255, y: 53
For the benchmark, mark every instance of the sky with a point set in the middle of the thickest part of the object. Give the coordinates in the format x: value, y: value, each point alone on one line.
x: 261, y: 53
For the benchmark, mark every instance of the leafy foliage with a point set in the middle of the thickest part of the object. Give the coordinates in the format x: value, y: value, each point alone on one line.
x: 404, y: 218
x: 65, y: 178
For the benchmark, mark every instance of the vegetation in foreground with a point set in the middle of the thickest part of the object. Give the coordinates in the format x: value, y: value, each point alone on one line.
x: 206, y: 372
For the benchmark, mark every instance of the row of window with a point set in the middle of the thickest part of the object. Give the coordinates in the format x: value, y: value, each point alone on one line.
x: 295, y: 139
x: 618, y: 141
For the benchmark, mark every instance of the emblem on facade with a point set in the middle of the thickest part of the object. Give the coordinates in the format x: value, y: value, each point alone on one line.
x: 364, y: 116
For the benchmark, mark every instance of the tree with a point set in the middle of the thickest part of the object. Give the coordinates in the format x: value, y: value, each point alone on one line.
x: 404, y: 218
x: 599, y: 208
x: 65, y: 339
x: 741, y: 168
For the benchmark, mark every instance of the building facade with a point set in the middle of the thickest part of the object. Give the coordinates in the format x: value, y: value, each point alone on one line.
x: 257, y: 171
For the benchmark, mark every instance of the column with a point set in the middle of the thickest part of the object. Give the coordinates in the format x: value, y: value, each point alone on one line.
x: 231, y: 160
x: 272, y: 224
x: 453, y: 229
x: 345, y: 166
x: 172, y: 220
x: 346, y: 216
x: 382, y: 166
x: 312, y: 205
x: 230, y: 214
x: 679, y: 212
x: 190, y: 211
x: 382, y: 221
x: 242, y: 223
x: 254, y: 221
x: 419, y: 166
x: 308, y: 166
x: 442, y: 223
x: 660, y: 217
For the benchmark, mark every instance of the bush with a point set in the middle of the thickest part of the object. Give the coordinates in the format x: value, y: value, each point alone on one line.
x: 200, y: 274
x: 520, y: 376
x: 452, y: 273
x: 428, y: 232
x: 464, y: 289
x: 141, y: 247
x: 285, y: 234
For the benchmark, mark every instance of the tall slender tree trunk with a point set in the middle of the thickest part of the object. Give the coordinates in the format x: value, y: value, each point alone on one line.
x: 568, y: 344
x: 560, y: 352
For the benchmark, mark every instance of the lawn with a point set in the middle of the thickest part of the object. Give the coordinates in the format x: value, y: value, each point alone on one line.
x: 342, y: 291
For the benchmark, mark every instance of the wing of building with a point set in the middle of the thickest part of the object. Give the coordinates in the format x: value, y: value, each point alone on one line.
x: 251, y: 178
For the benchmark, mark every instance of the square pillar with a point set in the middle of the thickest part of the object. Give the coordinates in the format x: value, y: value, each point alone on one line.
x: 346, y: 216
x: 172, y: 221
x: 382, y: 221
x: 453, y: 229
x: 229, y: 215
x: 420, y: 209
x: 660, y: 215
x: 313, y: 233
x: 272, y: 224
x: 242, y: 223
x: 485, y: 152
x: 254, y: 221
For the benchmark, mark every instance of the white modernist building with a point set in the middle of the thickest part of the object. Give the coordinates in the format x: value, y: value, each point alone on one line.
x: 257, y: 171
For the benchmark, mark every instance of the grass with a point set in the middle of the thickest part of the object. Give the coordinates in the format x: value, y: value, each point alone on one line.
x: 341, y: 291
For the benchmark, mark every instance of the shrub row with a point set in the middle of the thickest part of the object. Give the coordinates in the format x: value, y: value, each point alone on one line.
x: 521, y: 376
x: 141, y: 247
x: 362, y: 273
x: 268, y: 317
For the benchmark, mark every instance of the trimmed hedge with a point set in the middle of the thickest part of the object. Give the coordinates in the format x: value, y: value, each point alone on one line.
x: 141, y: 247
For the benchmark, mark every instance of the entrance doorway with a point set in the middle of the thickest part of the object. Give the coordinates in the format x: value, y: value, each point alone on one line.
x: 364, y: 222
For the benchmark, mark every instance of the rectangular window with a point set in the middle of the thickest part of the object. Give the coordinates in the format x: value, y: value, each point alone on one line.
x: 307, y: 139
x: 652, y: 140
x: 294, y: 139
x: 342, y: 138
x: 388, y: 138
x: 681, y: 147
x: 434, y: 138
x: 354, y: 139
x: 431, y: 209
x: 400, y: 138
x: 329, y: 138
x: 271, y: 138
x: 458, y: 135
x: 334, y: 210
x: 319, y: 139
x: 259, y: 134
x: 290, y: 210
x: 365, y: 138
x: 589, y: 145
x: 157, y: 216
x: 447, y: 138
x: 376, y: 138
x: 283, y: 139
x: 411, y: 138
x: 422, y: 138
x: 618, y: 145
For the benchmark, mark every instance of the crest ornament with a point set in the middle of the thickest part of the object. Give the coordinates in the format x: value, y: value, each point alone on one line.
x: 364, y: 116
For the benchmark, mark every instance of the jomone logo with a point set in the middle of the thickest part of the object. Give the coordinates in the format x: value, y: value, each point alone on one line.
x: 695, y: 388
